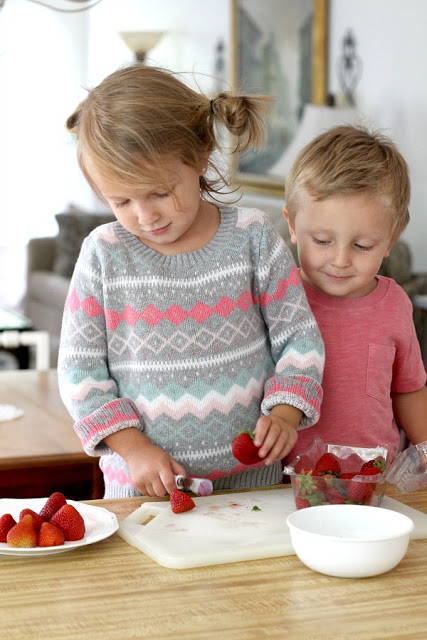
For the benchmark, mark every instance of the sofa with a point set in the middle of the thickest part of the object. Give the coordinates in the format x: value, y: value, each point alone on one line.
x: 51, y: 261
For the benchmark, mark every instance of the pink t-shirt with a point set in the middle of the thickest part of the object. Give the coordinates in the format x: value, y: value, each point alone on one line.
x: 371, y: 349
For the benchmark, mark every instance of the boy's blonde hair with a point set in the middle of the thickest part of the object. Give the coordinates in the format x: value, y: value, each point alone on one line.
x: 139, y: 115
x: 349, y: 160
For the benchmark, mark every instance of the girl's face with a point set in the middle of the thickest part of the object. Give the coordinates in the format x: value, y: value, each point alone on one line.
x: 341, y: 243
x: 169, y: 222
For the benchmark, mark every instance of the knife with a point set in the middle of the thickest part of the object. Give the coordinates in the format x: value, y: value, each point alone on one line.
x: 199, y: 486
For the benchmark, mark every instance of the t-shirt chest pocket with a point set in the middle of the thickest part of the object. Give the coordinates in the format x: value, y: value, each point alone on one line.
x: 380, y: 371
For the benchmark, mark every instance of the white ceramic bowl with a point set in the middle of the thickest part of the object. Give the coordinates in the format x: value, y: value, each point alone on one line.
x: 349, y: 540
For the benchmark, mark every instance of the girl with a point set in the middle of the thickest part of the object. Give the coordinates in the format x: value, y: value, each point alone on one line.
x: 184, y: 321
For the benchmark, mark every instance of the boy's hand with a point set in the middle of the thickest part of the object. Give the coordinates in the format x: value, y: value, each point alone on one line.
x: 276, y: 434
x: 152, y: 470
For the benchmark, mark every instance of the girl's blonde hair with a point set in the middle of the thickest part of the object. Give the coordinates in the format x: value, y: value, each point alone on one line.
x: 138, y: 115
x: 349, y: 160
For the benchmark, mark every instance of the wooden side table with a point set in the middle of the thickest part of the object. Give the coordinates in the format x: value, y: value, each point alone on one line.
x: 40, y: 452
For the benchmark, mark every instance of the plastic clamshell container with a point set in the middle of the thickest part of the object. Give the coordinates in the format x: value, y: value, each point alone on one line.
x: 408, y: 472
x: 312, y: 490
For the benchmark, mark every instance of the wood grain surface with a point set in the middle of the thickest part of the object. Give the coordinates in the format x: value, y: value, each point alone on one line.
x: 46, y: 429
x: 40, y: 451
x: 112, y: 591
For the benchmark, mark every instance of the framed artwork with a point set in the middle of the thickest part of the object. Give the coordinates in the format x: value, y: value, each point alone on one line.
x: 279, y: 48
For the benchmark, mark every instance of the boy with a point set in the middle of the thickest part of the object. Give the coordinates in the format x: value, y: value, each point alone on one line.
x: 347, y: 198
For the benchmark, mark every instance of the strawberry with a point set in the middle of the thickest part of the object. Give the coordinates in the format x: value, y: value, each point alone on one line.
x: 357, y: 491
x: 370, y: 471
x: 181, y: 501
x: 302, y: 503
x: 37, y: 519
x: 6, y: 523
x: 303, y: 464
x: 52, y: 505
x: 328, y: 463
x: 50, y: 536
x: 334, y: 496
x: 69, y: 520
x: 22, y: 534
x: 348, y: 475
x: 243, y: 448
x: 375, y: 463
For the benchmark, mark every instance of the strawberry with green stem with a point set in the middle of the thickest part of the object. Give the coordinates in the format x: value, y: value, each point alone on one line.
x: 328, y: 463
x: 244, y: 449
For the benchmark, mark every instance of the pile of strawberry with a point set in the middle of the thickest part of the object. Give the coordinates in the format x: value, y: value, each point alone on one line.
x: 56, y: 523
x: 325, y: 483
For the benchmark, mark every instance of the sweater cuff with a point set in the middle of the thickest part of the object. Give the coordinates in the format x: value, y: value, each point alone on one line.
x: 307, y: 400
x: 112, y: 417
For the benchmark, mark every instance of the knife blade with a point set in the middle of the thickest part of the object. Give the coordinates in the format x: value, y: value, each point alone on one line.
x: 199, y: 486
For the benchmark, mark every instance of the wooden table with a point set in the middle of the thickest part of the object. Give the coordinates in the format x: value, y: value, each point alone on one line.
x: 112, y: 591
x: 40, y: 452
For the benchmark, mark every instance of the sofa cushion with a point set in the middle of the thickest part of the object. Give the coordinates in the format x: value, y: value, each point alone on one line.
x: 49, y: 289
x: 73, y: 229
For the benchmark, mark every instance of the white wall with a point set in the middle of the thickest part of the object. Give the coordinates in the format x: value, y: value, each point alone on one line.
x: 42, y: 62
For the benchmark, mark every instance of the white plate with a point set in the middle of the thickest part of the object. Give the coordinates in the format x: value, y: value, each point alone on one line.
x: 100, y: 523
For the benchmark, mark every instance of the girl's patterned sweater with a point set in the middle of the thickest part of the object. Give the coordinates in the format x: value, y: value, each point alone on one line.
x: 189, y: 348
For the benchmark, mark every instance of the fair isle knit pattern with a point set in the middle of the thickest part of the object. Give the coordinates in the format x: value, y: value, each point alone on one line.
x: 190, y: 348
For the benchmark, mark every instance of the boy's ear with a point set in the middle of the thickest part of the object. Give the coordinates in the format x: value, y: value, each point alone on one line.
x: 390, y: 247
x: 291, y: 226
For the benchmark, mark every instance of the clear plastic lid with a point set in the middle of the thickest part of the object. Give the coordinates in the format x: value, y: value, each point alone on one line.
x: 408, y: 472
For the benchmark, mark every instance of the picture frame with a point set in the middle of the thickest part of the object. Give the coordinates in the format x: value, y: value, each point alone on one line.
x: 279, y: 48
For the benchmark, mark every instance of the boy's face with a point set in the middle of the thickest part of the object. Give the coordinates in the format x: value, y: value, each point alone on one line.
x: 341, y: 242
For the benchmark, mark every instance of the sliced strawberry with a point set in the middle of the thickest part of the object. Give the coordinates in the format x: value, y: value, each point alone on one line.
x: 181, y: 501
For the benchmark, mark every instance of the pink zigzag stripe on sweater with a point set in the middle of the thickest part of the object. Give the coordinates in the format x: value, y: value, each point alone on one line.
x: 213, y: 401
x: 120, y: 477
x: 300, y: 361
x: 245, y: 222
x: 297, y: 390
x: 176, y: 314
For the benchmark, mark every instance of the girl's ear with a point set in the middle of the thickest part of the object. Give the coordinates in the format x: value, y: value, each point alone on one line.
x: 291, y: 225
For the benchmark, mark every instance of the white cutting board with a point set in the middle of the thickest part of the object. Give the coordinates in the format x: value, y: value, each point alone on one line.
x: 225, y: 528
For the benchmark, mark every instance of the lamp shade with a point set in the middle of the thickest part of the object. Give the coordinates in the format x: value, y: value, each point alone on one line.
x: 140, y: 42
x: 315, y: 120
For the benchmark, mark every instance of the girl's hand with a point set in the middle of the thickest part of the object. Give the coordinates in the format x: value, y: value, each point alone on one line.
x: 275, y: 436
x: 152, y: 470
